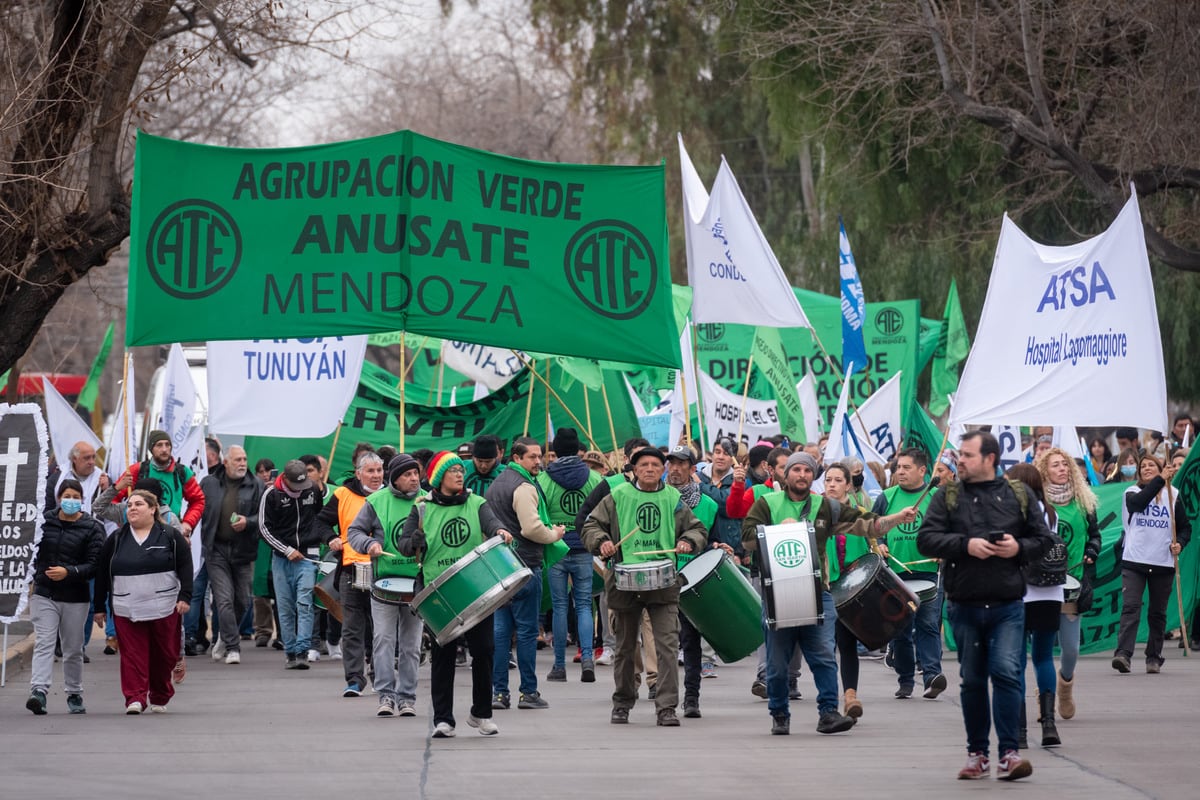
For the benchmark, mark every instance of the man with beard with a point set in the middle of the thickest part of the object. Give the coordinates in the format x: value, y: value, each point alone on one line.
x: 82, y: 467
x: 178, y: 481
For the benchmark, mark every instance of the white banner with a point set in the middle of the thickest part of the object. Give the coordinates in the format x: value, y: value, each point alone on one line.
x: 879, y: 416
x: 722, y: 410
x: 1069, y: 335
x: 192, y: 452
x: 1009, y: 437
x: 297, y: 388
x: 123, y: 437
x: 66, y: 427
x: 732, y: 270
x: 812, y: 410
x: 178, y: 397
x: 685, y: 387
x: 491, y: 366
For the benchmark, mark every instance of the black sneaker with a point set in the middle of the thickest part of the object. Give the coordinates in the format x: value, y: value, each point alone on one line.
x: 904, y: 692
x: 189, y: 648
x: 557, y: 674
x: 759, y: 689
x: 262, y: 641
x: 889, y: 655
x: 278, y: 645
x: 620, y: 716
x: 501, y: 701
x: 36, y: 702
x: 589, y: 672
x: 935, y: 687
x: 1121, y: 664
x: 691, y: 709
x: 793, y: 690
x: 667, y: 718
x: 86, y: 660
x: 781, y: 726
x: 653, y: 693
x: 833, y: 722
x: 532, y: 700
x: 75, y: 704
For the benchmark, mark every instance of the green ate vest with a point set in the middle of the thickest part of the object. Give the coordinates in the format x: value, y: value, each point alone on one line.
x: 451, y: 532
x: 902, y: 539
x: 782, y: 507
x: 392, y: 512
x: 1072, y: 529
x: 706, y: 512
x: 653, y: 514
x: 564, y: 504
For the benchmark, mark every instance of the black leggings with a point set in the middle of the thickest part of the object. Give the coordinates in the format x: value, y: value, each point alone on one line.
x: 847, y: 646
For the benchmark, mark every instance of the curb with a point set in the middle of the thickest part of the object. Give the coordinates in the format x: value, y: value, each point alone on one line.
x: 19, y: 655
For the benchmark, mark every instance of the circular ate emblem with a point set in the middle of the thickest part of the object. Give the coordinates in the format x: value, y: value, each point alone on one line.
x: 611, y: 268
x: 571, y: 502
x: 710, y: 332
x: 648, y: 517
x: 790, y: 553
x: 193, y: 249
x: 455, y: 532
x: 914, y: 526
x: 394, y: 538
x: 889, y: 321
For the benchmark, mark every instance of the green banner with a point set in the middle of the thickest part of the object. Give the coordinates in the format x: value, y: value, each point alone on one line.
x: 87, y: 396
x: 399, y: 231
x: 772, y: 360
x: 952, y: 349
x: 892, y: 333
x: 373, y: 417
x: 923, y: 434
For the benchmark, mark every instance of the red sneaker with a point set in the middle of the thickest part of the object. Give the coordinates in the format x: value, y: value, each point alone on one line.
x: 977, y: 767
x: 1011, y: 766
x: 578, y: 655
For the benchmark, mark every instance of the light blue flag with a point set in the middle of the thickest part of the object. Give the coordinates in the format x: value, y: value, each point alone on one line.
x: 850, y: 445
x: 854, y: 308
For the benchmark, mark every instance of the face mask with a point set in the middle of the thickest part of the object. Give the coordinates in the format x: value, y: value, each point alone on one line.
x: 1128, y: 470
x: 857, y: 480
x: 71, y: 505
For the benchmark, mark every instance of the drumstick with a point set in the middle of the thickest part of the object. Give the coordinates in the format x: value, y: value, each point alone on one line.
x: 654, y: 552
x: 922, y: 561
x: 898, y: 561
x: 636, y: 528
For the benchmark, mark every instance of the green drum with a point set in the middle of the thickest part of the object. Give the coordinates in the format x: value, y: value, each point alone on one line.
x: 468, y: 592
x: 722, y: 605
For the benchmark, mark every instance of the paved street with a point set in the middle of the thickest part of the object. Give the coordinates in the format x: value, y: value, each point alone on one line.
x: 258, y: 731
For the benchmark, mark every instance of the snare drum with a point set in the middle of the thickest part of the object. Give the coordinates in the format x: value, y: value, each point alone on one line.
x: 1071, y: 592
x: 923, y: 588
x: 873, y: 602
x: 394, y: 590
x: 363, y: 576
x: 791, y: 575
x: 645, y: 576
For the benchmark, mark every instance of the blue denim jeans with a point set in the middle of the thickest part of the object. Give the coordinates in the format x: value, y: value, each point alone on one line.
x: 1041, y: 653
x: 816, y: 643
x: 521, y: 613
x: 578, y: 567
x: 991, y: 644
x: 191, y: 620
x: 922, y: 638
x: 294, y: 581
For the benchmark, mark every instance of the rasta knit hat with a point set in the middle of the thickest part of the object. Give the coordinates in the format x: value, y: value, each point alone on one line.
x: 439, y: 465
x: 400, y: 464
x: 155, y: 437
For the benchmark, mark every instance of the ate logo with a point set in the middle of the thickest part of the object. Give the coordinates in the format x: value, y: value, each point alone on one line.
x: 455, y: 532
x: 648, y: 517
x: 611, y: 268
x: 790, y: 553
x: 889, y: 321
x: 914, y: 526
x: 193, y: 249
x: 710, y: 332
x: 394, y: 536
x: 571, y: 502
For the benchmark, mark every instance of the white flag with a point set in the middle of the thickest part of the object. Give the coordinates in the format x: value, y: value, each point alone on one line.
x: 298, y: 388
x: 732, y: 270
x: 1009, y: 437
x: 122, y: 439
x: 179, y: 398
x: 812, y: 410
x: 1068, y: 440
x: 491, y: 366
x: 192, y: 453
x: 844, y: 433
x: 879, y: 416
x: 683, y: 377
x: 66, y: 427
x: 1069, y: 335
x: 481, y: 391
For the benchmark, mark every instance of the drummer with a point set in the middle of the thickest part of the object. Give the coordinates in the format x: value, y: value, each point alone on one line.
x: 681, y: 474
x: 829, y: 518
x: 922, y: 636
x: 652, y: 518
x: 446, y: 507
x: 376, y: 531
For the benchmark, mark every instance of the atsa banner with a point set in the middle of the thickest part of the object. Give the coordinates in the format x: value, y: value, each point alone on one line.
x: 399, y: 232
x: 24, y: 449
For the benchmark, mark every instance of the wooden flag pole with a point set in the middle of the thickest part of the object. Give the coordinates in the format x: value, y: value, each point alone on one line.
x: 529, y: 396
x: 1178, y: 581
x: 130, y: 457
x: 699, y: 394
x: 549, y: 364
x: 441, y: 376
x: 587, y: 404
x: 337, y: 434
x: 687, y: 414
x: 550, y: 389
x: 403, y: 371
x: 612, y: 429
x: 745, y: 392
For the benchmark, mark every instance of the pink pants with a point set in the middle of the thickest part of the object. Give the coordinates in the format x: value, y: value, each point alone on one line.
x: 149, y: 652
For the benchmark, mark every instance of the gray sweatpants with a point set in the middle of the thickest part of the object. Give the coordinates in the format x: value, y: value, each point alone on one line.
x: 65, y: 622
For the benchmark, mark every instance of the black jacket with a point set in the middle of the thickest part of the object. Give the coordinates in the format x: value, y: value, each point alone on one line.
x: 74, y: 545
x: 250, y: 492
x: 286, y: 522
x: 981, y: 508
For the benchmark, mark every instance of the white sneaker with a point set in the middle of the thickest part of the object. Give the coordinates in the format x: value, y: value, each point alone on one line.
x: 134, y: 708
x: 335, y: 652
x: 313, y: 656
x: 218, y: 650
x: 485, y: 726
x: 158, y: 709
x: 606, y: 657
x: 233, y: 657
x: 443, y: 730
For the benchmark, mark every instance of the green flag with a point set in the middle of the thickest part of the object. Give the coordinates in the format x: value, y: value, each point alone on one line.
x: 400, y: 231
x: 922, y: 433
x: 771, y: 359
x: 87, y: 397
x: 953, y: 346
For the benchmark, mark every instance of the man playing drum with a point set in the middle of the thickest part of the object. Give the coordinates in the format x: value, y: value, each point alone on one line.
x: 376, y: 531
x: 828, y: 518
x: 642, y: 526
x: 458, y: 521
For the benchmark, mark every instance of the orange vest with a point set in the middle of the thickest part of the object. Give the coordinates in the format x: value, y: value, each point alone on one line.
x: 349, y: 504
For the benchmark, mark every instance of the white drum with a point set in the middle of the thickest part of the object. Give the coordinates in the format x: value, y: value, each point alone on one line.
x: 790, y: 565
x: 645, y: 576
x: 1071, y: 592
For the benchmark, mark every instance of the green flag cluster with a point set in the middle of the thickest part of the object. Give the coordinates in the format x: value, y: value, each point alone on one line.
x: 772, y: 360
x: 952, y: 349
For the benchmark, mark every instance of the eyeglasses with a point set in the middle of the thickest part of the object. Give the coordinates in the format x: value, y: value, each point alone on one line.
x: 459, y: 470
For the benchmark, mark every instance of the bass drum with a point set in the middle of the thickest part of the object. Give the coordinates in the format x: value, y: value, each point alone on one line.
x: 326, y: 594
x: 873, y: 602
x: 471, y: 590
x: 722, y: 605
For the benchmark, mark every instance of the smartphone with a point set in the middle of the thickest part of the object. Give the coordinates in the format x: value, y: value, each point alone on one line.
x: 994, y: 537
x: 274, y: 474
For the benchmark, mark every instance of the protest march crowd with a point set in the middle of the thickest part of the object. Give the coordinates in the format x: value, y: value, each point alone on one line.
x: 336, y: 567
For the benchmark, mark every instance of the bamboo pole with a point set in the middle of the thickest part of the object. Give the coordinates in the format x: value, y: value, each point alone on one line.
x: 529, y: 397
x: 587, y: 405
x: 403, y: 407
x: 337, y: 434
x: 130, y: 457
x: 699, y: 394
x: 549, y: 364
x: 612, y: 429
x: 1178, y: 581
x: 550, y: 389
x: 687, y: 415
x: 742, y: 415
x: 441, y: 376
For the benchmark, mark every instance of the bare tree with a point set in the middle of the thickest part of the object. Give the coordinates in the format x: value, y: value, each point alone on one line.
x: 1086, y: 96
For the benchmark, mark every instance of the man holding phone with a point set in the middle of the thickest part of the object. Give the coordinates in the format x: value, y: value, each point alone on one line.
x: 985, y: 527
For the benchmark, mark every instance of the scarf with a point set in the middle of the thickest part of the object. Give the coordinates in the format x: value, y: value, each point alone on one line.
x: 543, y: 508
x: 689, y: 493
x: 1060, y: 494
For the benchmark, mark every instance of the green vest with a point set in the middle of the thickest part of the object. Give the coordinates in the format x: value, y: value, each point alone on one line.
x: 615, y: 480
x: 564, y: 504
x: 1072, y: 529
x: 451, y: 532
x: 706, y: 512
x: 653, y: 514
x: 902, y: 539
x: 392, y: 512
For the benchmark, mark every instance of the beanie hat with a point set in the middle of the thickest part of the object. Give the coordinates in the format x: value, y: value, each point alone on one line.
x: 648, y: 451
x: 151, y: 485
x: 486, y: 446
x: 759, y: 453
x: 565, y: 443
x: 155, y: 437
x: 400, y: 464
x: 801, y: 458
x: 439, y: 464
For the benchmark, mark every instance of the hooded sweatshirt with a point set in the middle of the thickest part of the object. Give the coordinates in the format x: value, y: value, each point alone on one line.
x: 567, y: 482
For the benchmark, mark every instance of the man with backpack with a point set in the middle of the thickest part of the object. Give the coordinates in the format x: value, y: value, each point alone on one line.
x: 178, y: 481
